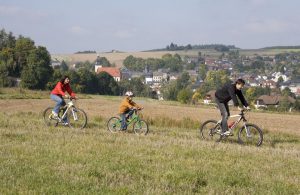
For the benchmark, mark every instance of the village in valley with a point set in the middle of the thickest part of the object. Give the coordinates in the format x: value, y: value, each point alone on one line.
x: 275, y: 74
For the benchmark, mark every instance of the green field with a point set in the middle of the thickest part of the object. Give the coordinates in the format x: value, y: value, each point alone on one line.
x: 171, y: 159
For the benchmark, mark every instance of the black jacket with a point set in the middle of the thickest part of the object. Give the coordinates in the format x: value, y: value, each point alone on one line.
x: 228, y: 92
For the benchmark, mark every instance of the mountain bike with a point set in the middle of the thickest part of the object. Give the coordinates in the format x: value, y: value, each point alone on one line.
x: 248, y: 134
x: 69, y: 115
x: 139, y: 127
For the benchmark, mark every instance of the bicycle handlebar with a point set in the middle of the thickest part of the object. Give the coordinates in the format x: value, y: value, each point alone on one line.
x: 244, y: 110
x: 70, y: 98
x: 136, y: 109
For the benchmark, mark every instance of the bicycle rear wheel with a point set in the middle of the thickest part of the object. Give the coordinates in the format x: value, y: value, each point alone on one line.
x: 114, y: 124
x: 48, y: 118
x: 140, y: 127
x: 210, y: 130
x: 250, y: 134
x: 77, y: 118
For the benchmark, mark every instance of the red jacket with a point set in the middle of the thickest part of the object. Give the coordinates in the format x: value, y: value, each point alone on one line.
x: 60, y: 89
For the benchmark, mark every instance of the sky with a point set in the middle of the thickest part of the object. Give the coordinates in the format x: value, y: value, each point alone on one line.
x: 68, y: 26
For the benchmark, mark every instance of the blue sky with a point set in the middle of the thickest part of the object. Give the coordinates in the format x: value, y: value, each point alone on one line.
x: 135, y: 25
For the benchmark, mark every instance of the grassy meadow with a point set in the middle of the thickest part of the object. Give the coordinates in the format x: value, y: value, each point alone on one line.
x: 171, y: 159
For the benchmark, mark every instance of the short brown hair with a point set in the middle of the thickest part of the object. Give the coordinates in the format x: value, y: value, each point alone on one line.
x: 240, y: 81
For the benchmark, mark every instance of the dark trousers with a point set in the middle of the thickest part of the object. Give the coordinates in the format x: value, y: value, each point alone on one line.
x: 224, y: 109
x: 124, y: 117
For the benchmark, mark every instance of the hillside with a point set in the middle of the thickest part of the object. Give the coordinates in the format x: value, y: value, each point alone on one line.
x: 118, y: 57
x: 171, y: 159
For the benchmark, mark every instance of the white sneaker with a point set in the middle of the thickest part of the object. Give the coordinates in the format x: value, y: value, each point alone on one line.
x: 54, y: 115
x: 227, y: 133
x: 66, y: 124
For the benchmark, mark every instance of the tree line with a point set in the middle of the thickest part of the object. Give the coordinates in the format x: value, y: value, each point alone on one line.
x: 172, y: 62
x: 21, y: 59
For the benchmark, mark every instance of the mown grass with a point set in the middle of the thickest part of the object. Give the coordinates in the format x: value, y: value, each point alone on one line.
x: 35, y: 159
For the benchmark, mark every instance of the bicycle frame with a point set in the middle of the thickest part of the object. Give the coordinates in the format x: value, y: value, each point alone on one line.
x: 69, y: 105
x: 135, y: 117
x: 241, y: 117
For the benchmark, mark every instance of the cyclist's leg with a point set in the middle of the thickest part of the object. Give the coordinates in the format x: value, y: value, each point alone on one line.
x: 123, y: 124
x: 223, y: 107
x: 65, y: 120
x: 129, y: 114
x: 59, y: 101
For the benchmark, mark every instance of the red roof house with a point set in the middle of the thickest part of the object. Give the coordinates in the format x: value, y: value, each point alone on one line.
x: 112, y: 71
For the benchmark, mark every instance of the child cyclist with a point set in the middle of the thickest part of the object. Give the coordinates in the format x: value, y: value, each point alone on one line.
x: 127, y: 108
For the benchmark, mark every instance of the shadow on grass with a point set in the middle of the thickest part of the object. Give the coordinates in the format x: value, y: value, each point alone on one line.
x: 276, y: 141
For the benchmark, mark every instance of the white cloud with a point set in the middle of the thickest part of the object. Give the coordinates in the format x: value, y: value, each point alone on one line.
x: 14, y: 11
x: 9, y: 10
x: 78, y: 30
x: 267, y: 26
x: 259, y: 2
x: 125, y: 33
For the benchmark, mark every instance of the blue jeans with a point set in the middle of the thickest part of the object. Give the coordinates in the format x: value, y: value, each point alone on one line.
x: 59, y: 102
x: 224, y: 109
x: 124, y: 117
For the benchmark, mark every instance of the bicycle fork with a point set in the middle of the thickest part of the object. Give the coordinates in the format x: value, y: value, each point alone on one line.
x: 74, y: 113
x: 247, y: 131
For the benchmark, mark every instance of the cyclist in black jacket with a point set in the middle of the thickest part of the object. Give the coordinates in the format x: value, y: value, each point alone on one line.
x: 224, y: 95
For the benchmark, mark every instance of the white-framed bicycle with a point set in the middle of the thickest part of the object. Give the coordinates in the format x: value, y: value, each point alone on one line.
x: 69, y: 115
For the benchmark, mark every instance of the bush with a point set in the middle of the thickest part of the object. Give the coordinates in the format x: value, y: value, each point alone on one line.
x: 184, y: 96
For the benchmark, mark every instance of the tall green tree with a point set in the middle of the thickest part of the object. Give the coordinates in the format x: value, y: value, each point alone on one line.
x: 137, y: 86
x: 107, y: 84
x: 183, y: 81
x: 202, y: 71
x: 88, y: 82
x: 24, y: 47
x: 170, y: 91
x: 63, y: 66
x: 4, y: 82
x: 37, y: 72
x: 104, y: 62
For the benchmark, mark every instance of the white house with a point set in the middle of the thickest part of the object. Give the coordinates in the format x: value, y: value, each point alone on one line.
x: 277, y: 75
x: 157, y: 77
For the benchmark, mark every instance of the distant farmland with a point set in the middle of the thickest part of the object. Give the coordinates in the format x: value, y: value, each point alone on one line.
x: 118, y: 57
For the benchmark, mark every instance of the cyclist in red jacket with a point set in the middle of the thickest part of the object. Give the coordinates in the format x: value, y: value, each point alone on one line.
x: 58, y: 93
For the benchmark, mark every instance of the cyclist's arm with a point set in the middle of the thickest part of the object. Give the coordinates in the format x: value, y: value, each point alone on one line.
x: 231, y: 91
x: 135, y: 105
x: 242, y: 98
x: 70, y: 92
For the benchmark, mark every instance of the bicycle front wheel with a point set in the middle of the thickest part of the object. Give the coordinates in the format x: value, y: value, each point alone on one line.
x: 77, y: 118
x: 114, y: 124
x: 210, y: 130
x: 250, y: 134
x: 48, y: 118
x: 140, y: 127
